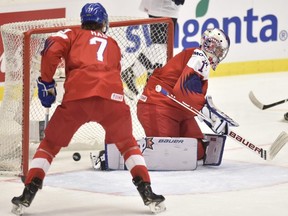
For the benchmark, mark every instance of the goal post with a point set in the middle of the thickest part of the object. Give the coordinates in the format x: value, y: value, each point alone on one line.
x: 145, y: 45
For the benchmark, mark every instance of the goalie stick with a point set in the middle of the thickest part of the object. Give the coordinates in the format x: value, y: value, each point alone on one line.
x: 216, y: 111
x: 262, y: 106
x: 269, y: 154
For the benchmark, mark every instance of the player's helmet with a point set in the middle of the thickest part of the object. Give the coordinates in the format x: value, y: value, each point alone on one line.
x: 95, y: 12
x: 215, y: 43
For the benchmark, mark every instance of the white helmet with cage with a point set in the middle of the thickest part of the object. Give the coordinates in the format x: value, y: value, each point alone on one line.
x: 215, y: 43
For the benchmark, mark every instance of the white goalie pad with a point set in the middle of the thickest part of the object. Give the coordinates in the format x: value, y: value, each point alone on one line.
x: 160, y: 154
x: 214, y: 150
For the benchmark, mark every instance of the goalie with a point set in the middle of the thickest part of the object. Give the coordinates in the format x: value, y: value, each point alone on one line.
x: 185, y: 76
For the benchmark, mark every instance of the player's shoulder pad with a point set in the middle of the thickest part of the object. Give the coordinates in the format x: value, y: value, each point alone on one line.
x: 199, y: 54
x: 199, y: 63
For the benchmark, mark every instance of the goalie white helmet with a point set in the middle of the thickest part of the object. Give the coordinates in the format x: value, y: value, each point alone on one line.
x: 215, y: 43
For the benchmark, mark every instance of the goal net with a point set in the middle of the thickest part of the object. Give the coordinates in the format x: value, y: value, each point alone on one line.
x: 145, y: 45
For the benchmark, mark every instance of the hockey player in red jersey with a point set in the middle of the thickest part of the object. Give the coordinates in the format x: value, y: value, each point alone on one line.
x: 185, y: 76
x: 93, y: 92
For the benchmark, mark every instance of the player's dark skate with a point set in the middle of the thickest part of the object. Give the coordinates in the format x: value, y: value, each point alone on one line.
x: 154, y: 201
x: 25, y: 200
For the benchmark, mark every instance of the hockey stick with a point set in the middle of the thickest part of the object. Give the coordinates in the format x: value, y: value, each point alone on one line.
x: 158, y: 88
x: 261, y: 106
x: 46, y: 117
x: 275, y: 147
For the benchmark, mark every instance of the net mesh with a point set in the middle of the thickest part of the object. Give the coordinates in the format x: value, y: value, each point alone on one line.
x: 144, y: 47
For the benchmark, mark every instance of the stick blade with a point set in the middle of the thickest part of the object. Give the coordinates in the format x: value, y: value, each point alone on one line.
x: 255, y: 101
x: 278, y: 144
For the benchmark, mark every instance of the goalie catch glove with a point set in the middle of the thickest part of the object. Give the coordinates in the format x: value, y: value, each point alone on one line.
x: 217, y: 125
x: 46, y: 92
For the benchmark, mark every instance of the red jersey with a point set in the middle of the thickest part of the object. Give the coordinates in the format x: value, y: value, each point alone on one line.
x: 92, y: 64
x: 175, y: 77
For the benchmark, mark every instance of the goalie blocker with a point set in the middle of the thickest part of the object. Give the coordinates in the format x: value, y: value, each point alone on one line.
x: 164, y: 154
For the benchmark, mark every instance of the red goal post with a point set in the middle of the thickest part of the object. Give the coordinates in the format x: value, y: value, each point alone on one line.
x: 142, y: 44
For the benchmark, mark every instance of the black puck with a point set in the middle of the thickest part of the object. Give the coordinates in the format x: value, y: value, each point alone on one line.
x: 286, y: 116
x: 76, y: 156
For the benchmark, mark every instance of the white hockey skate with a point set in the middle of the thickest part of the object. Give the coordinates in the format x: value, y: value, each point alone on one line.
x: 98, y: 160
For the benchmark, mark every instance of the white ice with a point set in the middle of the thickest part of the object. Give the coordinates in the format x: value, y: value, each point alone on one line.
x: 244, y: 184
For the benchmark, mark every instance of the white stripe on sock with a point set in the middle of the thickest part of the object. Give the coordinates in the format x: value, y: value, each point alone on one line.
x: 40, y: 163
x: 135, y: 160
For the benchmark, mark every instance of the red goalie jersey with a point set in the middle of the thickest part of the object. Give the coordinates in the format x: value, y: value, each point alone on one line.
x: 185, y: 75
x: 85, y: 54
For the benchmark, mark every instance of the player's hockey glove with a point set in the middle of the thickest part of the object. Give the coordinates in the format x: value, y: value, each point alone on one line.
x: 217, y: 125
x: 46, y: 92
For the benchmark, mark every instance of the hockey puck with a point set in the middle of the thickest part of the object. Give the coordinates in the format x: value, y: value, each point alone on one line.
x: 286, y: 116
x: 76, y: 156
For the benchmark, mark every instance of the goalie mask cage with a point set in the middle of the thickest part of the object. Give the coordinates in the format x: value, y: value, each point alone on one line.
x: 145, y: 44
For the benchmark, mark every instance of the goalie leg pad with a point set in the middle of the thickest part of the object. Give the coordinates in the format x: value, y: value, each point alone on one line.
x: 160, y: 153
x: 214, y: 151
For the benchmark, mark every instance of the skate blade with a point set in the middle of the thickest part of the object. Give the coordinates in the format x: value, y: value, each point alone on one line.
x: 157, y: 207
x: 18, y: 209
